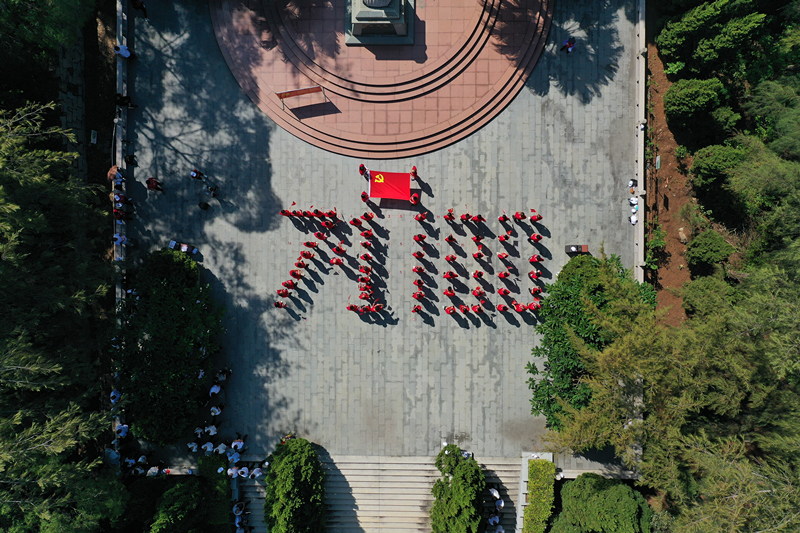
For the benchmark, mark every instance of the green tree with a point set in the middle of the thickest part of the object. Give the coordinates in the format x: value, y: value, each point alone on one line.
x: 40, y: 25
x: 688, y: 101
x: 711, y: 164
x: 457, y: 505
x: 167, y: 338
x: 541, y: 474
x: 594, y: 504
x: 295, y: 492
x: 706, y: 251
x: 584, y: 284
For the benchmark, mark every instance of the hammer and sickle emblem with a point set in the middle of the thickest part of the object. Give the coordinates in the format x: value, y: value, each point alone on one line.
x: 379, y: 178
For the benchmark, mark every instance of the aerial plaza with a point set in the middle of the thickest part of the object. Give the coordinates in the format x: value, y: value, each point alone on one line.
x: 364, y: 311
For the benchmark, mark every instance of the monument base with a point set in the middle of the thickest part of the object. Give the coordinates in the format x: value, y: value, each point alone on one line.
x: 373, y: 28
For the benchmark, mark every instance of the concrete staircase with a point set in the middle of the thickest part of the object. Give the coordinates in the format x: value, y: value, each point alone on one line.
x: 370, y: 494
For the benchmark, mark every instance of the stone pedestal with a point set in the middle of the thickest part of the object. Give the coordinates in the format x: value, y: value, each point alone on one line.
x: 381, y: 22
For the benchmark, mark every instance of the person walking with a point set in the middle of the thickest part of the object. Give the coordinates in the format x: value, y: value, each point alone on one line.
x: 477, y: 292
x: 124, y: 52
x: 368, y: 216
x: 478, y: 218
x: 279, y: 304
x: 449, y: 216
x: 450, y: 258
x: 503, y: 291
x: 338, y: 249
x: 336, y: 260
x: 534, y: 274
x: 504, y: 275
x: 284, y: 293
x: 502, y: 308
x: 289, y: 284
x: 419, y: 295
x: 365, y: 257
x: 451, y: 239
x: 478, y: 255
x: 310, y: 244
x: 536, y: 291
x: 519, y: 215
x: 418, y: 269
x: 449, y: 309
x: 364, y: 196
x: 356, y: 222
x: 503, y: 217
x: 478, y: 274
x: 477, y: 309
x: 367, y: 234
x: 450, y: 275
x: 535, y: 258
x: 568, y: 44
x: 502, y: 255
x: 414, y: 199
x: 421, y: 217
x: 418, y: 254
x: 449, y: 292
x: 329, y: 224
x: 463, y: 308
x: 321, y: 236
x: 535, y: 238
x: 420, y: 238
x: 418, y: 283
x: 416, y: 309
x: 305, y: 254
x: 196, y: 174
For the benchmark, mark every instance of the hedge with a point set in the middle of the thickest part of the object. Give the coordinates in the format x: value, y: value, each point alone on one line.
x: 541, y: 481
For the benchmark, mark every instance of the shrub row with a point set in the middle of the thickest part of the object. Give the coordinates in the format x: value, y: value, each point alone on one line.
x: 457, y: 506
x: 295, y: 493
x: 541, y: 483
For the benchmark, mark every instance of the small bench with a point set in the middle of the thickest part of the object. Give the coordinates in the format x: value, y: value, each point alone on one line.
x: 301, y: 92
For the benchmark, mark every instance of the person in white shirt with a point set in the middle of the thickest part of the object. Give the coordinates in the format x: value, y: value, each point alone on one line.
x: 220, y: 449
x: 208, y: 447
x: 244, y: 471
x: 192, y: 446
x: 124, y: 51
x: 233, y: 471
x: 256, y: 473
x: 495, y: 494
x: 211, y: 430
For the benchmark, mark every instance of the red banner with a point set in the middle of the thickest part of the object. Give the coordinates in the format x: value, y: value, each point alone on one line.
x: 395, y: 185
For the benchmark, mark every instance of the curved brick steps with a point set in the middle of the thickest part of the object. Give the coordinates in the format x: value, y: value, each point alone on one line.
x: 427, y: 78
x: 422, y: 136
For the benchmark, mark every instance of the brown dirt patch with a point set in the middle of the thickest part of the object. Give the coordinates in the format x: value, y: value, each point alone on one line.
x: 668, y: 187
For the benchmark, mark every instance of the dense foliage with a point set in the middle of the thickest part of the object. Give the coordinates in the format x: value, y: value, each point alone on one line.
x: 457, y: 505
x: 51, y: 278
x: 584, y: 284
x: 707, y: 250
x: 295, y: 497
x: 166, y: 339
x: 690, y: 101
x: 594, y: 504
x: 541, y: 478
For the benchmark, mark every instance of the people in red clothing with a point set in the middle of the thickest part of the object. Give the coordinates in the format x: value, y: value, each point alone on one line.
x: 418, y: 269
x: 477, y: 239
x: 502, y: 291
x: 365, y: 244
x: 465, y: 217
x: 363, y: 279
x: 449, y: 215
x: 283, y: 293
x: 365, y: 257
x: 450, y: 258
x: 502, y: 255
x: 463, y: 308
x: 535, y: 237
x: 502, y: 308
x: 310, y: 244
x: 419, y: 295
x: 286, y: 212
x: 450, y: 275
x: 506, y: 237
x: 308, y: 213
x: 297, y: 213
x: 301, y: 264
x: 418, y: 254
x: 368, y: 216
x: 414, y: 173
x: 450, y: 239
x: 478, y: 218
x: 364, y: 296
x: 449, y: 309
x: 535, y: 258
x: 534, y: 274
x: 296, y: 274
x: 376, y: 308
x: 478, y: 274
x: 365, y: 269
x: 503, y: 217
x: 355, y: 222
x: 336, y: 260
x: 329, y: 224
x: 321, y: 236
x: 318, y: 213
x: 279, y: 305
x: 364, y: 287
x: 305, y: 254
x: 519, y: 215
x: 364, y: 196
x: 420, y: 217
x: 416, y: 309
x: 535, y: 217
x: 518, y: 307
x: 478, y: 255
x: 504, y: 275
x: 338, y: 249
x: 449, y: 292
x: 352, y: 307
x: 289, y: 284
x: 419, y: 237
x: 419, y: 283
x: 477, y: 309
x: 534, y: 306
x: 477, y: 292
x: 367, y: 234
x: 414, y: 199
x: 331, y: 213
x: 363, y: 171
x: 536, y: 290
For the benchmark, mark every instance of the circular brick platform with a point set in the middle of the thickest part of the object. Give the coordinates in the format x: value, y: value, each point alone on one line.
x: 467, y: 63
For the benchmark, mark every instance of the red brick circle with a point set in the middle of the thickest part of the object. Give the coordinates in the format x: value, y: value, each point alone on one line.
x: 468, y: 62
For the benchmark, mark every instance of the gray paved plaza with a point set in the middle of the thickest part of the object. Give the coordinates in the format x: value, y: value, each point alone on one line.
x: 565, y: 146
